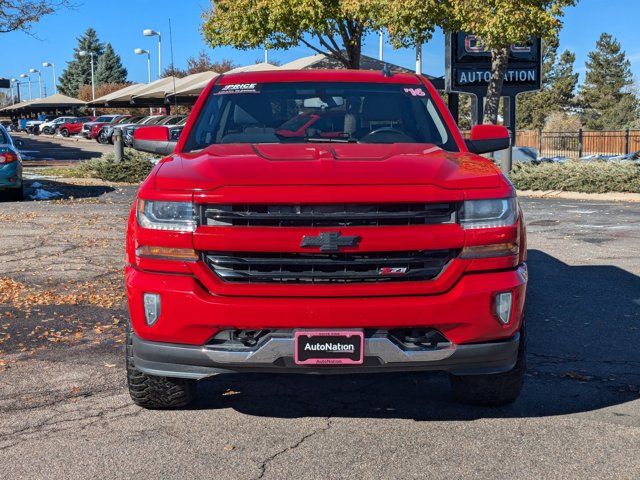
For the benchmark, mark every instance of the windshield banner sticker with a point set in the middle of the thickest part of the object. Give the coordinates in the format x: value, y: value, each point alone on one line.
x: 415, y: 92
x: 239, y: 88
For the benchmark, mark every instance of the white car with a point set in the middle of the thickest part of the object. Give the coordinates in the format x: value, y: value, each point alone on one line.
x: 51, y: 126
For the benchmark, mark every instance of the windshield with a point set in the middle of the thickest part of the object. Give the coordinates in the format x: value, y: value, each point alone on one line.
x: 319, y: 112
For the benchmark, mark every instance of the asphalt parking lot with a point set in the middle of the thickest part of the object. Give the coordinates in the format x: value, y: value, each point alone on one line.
x: 49, y: 150
x: 65, y: 411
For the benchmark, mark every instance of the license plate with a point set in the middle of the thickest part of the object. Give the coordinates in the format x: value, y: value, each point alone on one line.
x: 324, y: 347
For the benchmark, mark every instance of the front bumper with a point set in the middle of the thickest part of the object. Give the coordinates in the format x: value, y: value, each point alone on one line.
x: 276, y: 356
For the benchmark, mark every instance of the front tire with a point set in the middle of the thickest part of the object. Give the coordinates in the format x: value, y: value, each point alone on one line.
x: 64, y: 132
x: 102, y: 138
x: 153, y: 392
x: 495, y: 389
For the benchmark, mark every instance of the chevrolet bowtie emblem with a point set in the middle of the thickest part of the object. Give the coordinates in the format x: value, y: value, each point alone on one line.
x: 330, y: 242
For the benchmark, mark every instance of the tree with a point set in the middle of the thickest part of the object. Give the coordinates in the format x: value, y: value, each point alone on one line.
x: 22, y: 14
x: 78, y: 71
x: 201, y: 63
x: 411, y: 23
x: 562, y: 122
x: 606, y: 97
x: 109, y: 68
x: 557, y: 92
x: 333, y: 27
x: 500, y: 24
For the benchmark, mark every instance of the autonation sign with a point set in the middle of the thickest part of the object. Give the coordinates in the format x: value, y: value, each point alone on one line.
x: 468, y: 65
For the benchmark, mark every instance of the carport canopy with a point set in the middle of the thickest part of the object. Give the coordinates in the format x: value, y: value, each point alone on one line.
x: 192, y: 85
x: 118, y: 96
x: 154, y: 93
x: 57, y: 101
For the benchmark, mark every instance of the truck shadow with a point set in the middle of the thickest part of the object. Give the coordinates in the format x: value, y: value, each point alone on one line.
x: 584, y: 330
x: 42, y: 150
x: 47, y: 189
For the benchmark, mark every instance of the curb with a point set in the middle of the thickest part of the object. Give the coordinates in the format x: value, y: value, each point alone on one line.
x: 600, y: 197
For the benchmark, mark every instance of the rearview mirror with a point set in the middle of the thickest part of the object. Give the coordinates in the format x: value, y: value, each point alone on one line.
x: 488, y: 138
x: 153, y: 139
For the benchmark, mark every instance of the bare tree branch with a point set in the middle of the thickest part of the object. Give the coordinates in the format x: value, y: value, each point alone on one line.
x: 22, y: 14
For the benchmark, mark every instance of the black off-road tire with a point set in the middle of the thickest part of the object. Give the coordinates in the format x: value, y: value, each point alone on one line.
x: 64, y: 132
x: 157, y: 393
x: 492, y: 390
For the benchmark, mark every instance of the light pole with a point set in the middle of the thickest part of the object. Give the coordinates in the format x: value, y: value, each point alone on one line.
x: 49, y: 64
x: 84, y: 53
x: 15, y: 82
x: 140, y: 51
x: 26, y: 75
x: 33, y: 70
x: 147, y: 32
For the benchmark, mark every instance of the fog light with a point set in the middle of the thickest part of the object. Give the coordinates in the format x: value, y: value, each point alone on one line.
x: 151, y: 307
x: 503, y: 302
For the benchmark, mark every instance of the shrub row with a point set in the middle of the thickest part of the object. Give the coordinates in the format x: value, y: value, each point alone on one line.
x: 133, y: 169
x: 578, y: 176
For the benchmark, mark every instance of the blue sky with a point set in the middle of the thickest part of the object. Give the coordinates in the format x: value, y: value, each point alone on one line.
x: 121, y: 23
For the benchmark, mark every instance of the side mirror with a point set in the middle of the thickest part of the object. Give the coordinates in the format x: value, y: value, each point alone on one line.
x: 153, y: 139
x: 488, y: 138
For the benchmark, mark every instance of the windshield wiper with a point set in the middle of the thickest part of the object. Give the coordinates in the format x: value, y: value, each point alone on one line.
x: 329, y: 140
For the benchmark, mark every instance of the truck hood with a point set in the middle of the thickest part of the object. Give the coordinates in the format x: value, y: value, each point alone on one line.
x: 324, y: 164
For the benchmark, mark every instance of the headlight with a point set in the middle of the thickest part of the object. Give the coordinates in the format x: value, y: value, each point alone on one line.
x: 489, y: 213
x: 175, y: 216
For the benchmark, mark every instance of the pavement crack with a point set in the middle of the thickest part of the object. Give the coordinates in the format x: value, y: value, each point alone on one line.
x: 265, y: 463
x: 48, y: 426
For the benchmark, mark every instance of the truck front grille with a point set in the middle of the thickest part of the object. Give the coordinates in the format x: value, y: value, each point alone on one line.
x: 328, y: 268
x: 329, y: 215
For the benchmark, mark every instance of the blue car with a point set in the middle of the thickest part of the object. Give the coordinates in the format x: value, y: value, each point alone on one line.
x: 11, y: 187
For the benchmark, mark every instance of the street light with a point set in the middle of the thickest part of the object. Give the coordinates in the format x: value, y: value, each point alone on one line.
x: 147, y: 32
x: 84, y: 53
x: 16, y: 82
x: 49, y: 64
x: 140, y: 51
x: 26, y: 75
x: 33, y: 70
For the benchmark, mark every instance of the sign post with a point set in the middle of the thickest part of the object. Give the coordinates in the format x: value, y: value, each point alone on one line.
x: 468, y: 70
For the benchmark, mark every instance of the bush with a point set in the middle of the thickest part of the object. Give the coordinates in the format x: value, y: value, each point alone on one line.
x: 134, y: 167
x: 578, y: 176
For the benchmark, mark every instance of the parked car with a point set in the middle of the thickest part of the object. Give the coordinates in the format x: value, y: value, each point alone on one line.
x: 51, y: 127
x: 396, y: 247
x: 127, y: 131
x: 96, y: 127
x: 11, y: 186
x: 74, y: 126
x: 102, y: 119
x: 105, y: 133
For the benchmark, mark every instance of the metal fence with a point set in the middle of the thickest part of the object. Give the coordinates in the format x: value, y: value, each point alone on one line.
x: 581, y: 143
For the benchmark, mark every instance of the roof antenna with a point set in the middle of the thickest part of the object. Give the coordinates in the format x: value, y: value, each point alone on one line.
x: 386, y: 70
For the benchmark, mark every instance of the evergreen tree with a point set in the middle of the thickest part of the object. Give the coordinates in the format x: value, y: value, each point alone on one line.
x: 78, y: 71
x: 109, y: 68
x: 606, y: 97
x: 557, y: 91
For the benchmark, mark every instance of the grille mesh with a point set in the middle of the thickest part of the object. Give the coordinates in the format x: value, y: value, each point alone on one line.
x: 328, y: 268
x: 331, y: 215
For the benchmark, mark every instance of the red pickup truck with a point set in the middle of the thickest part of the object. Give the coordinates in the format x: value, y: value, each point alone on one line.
x: 394, y: 246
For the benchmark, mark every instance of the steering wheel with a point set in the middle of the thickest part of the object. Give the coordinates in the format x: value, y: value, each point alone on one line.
x: 384, y: 130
